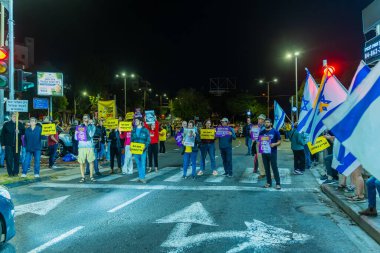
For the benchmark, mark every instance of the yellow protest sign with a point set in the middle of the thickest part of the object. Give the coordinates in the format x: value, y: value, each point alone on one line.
x: 129, y: 115
x: 137, y: 148
x: 107, y: 109
x: 111, y: 123
x: 321, y: 143
x: 207, y: 134
x: 125, y: 126
x: 48, y: 129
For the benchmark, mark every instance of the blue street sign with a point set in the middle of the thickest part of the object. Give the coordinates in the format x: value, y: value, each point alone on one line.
x: 40, y: 103
x: 294, y: 109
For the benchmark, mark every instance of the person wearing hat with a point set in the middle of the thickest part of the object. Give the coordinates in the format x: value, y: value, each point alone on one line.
x: 225, y: 147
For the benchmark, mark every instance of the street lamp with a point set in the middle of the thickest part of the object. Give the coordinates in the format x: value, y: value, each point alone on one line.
x: 268, y: 82
x: 76, y: 101
x: 125, y: 76
x: 289, y: 56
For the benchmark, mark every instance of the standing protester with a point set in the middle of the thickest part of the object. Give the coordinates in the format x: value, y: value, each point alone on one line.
x: 287, y: 128
x: 53, y: 146
x: 128, y: 163
x: 297, y: 145
x: 207, y: 146
x: 2, y: 156
x: 96, y: 143
x: 162, y: 139
x: 140, y: 135
x: 103, y: 139
x: 190, y: 153
x: 23, y: 147
x: 33, y: 147
x: 269, y: 153
x: 373, y: 184
x: 247, y: 135
x: 255, y: 132
x: 260, y: 122
x: 86, y: 147
x: 116, y: 146
x: 225, y: 147
x: 153, y: 147
x: 8, y: 142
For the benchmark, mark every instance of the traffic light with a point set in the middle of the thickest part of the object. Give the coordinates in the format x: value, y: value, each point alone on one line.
x: 3, y: 67
x: 21, y: 82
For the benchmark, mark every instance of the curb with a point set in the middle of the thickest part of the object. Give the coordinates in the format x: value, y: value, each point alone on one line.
x: 26, y: 182
x: 366, y: 223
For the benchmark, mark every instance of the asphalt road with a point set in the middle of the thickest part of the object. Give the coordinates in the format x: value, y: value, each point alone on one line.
x: 169, y: 214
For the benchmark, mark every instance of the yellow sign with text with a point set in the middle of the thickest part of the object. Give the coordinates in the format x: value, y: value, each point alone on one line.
x: 320, y: 144
x: 129, y: 115
x: 48, y: 129
x: 207, y: 134
x: 137, y: 148
x: 125, y: 126
x: 111, y: 123
x: 107, y: 109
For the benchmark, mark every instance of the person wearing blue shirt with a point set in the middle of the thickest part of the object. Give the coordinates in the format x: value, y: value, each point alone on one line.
x: 225, y: 147
x: 33, y: 147
x: 269, y: 153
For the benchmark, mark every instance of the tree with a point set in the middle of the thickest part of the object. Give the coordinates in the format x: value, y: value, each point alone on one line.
x: 190, y: 103
x: 59, y: 105
x: 239, y: 104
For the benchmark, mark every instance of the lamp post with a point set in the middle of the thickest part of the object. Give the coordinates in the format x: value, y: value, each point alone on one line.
x: 268, y: 83
x: 76, y: 101
x: 125, y: 76
x: 289, y: 56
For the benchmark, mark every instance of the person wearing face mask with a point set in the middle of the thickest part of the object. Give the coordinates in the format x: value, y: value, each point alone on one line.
x: 270, y: 139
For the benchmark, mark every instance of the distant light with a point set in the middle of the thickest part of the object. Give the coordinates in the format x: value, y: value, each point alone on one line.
x: 133, y: 75
x: 288, y: 55
x: 261, y: 81
x: 297, y: 53
x: 329, y: 70
x: 275, y: 80
x: 84, y: 93
x: 164, y: 94
x: 117, y: 76
x: 150, y: 89
x: 123, y: 74
x: 156, y: 95
x: 139, y: 89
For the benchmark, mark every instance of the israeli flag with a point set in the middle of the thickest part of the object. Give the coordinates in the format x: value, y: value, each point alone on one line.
x: 356, y: 122
x: 343, y: 161
x: 279, y: 116
x: 332, y: 94
x: 308, y: 99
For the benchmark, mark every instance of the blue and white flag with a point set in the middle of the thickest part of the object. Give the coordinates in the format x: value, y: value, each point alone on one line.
x: 279, y: 116
x: 332, y: 94
x: 356, y: 122
x: 344, y: 161
x: 308, y: 99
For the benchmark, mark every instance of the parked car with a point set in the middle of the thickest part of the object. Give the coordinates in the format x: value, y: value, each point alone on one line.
x: 7, y: 214
x: 65, y: 143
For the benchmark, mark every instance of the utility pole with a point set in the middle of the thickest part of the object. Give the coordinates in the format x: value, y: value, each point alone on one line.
x: 11, y: 50
x: 2, y: 43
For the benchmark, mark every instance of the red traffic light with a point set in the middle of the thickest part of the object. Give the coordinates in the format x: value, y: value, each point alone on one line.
x: 3, y: 54
x: 329, y: 70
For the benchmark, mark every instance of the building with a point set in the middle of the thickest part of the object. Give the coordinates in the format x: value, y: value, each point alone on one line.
x: 371, y: 30
x: 24, y: 54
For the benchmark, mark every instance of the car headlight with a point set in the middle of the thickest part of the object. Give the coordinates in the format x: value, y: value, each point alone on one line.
x: 5, y: 193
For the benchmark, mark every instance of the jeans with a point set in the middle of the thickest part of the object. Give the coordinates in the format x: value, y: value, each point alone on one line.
x: 162, y: 147
x: 299, y: 160
x: 226, y: 154
x: 122, y: 156
x: 102, y: 151
x: 210, y: 149
x: 248, y: 143
x: 75, y: 147
x: 307, y: 157
x: 270, y: 160
x: 108, y: 153
x: 115, y: 152
x: 22, y: 154
x: 2, y: 156
x: 96, y: 166
x: 186, y: 161
x: 141, y: 164
x: 28, y: 157
x: 13, y: 160
x: 329, y: 170
x: 128, y: 163
x: 52, y: 154
x: 153, y: 154
x: 372, y: 185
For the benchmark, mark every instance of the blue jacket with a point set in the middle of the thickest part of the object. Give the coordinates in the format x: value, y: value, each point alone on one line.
x: 33, y: 139
x: 226, y: 142
x: 144, y: 136
x: 296, y: 139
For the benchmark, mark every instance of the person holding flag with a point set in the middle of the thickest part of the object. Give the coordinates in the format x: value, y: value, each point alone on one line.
x: 279, y: 116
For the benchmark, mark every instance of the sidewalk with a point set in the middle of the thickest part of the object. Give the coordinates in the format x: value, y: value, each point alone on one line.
x: 371, y: 225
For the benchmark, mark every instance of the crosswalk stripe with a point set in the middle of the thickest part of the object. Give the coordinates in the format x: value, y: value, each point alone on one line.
x: 216, y: 179
x: 285, y: 175
x: 249, y: 177
x: 108, y: 178
x: 68, y: 178
x: 178, y: 176
x: 154, y: 174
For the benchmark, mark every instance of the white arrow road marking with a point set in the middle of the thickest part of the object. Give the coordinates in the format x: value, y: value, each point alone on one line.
x: 41, y: 207
x: 56, y: 240
x: 258, y: 235
x: 128, y: 202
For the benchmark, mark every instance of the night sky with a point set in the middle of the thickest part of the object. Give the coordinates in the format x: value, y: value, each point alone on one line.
x: 176, y: 44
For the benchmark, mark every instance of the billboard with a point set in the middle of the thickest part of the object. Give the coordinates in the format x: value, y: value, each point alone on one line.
x: 372, y: 50
x: 49, y: 84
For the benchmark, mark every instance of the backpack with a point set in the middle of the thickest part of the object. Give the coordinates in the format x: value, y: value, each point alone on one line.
x: 69, y: 158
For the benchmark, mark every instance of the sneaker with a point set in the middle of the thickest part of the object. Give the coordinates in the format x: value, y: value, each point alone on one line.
x: 229, y: 175
x: 328, y: 181
x: 225, y: 174
x: 298, y: 172
x: 36, y: 175
x: 98, y: 173
x: 324, y: 177
x: 184, y: 177
x: 23, y: 175
x: 124, y: 173
x: 200, y: 173
x: 142, y: 181
x: 215, y: 173
x: 54, y: 167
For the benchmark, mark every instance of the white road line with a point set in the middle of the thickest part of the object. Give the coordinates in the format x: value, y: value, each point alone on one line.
x: 249, y: 177
x: 285, y: 175
x: 108, y: 178
x: 216, y: 179
x: 154, y: 174
x: 178, y: 176
x: 68, y: 178
x: 56, y: 240
x: 128, y: 202
x: 170, y: 187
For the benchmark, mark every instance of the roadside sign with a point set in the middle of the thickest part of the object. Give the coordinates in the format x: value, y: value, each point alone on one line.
x: 129, y: 115
x: 125, y: 126
x: 48, y: 129
x: 40, y: 103
x: 17, y: 105
x: 111, y: 123
x: 137, y: 148
x: 49, y: 84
